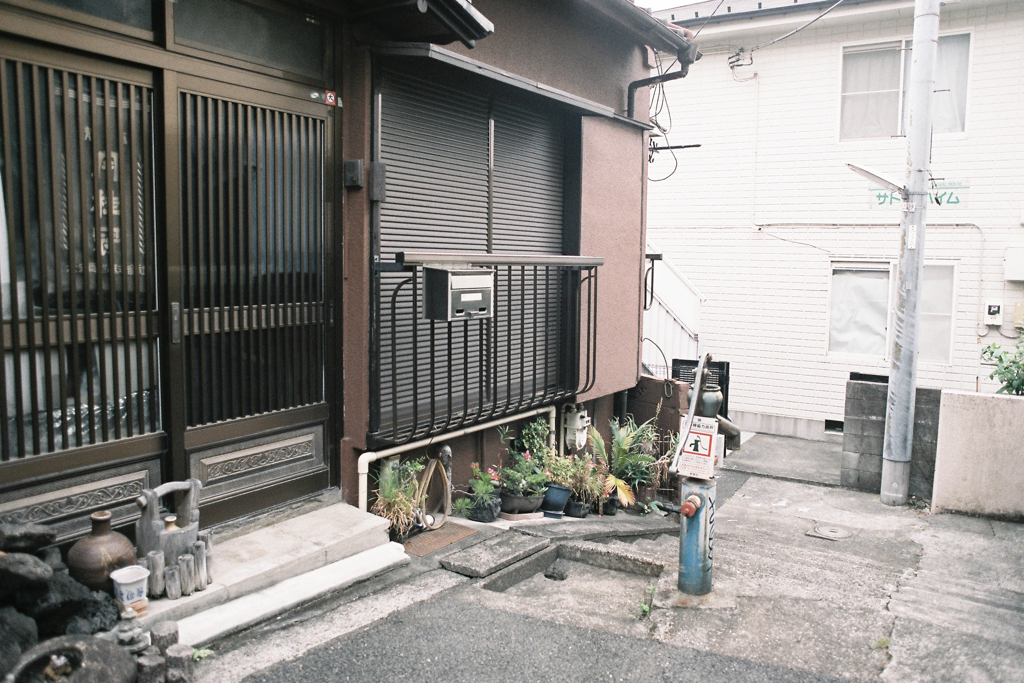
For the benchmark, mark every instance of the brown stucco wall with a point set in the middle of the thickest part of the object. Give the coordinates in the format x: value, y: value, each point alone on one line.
x: 562, y: 43
x: 611, y: 225
x: 567, y: 46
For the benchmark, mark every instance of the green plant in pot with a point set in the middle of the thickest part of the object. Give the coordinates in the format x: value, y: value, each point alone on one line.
x: 522, y: 480
x: 626, y: 465
x: 396, y: 493
x: 558, y: 470
x: 586, y: 484
x: 481, y: 503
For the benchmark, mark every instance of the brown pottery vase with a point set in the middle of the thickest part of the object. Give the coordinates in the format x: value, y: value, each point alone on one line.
x: 92, y: 558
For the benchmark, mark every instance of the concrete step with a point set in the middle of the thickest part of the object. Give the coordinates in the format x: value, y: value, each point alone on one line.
x: 265, y: 557
x: 493, y: 554
x: 207, y: 626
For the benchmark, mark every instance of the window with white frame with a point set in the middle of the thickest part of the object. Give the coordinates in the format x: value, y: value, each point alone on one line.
x: 860, y: 306
x: 875, y: 80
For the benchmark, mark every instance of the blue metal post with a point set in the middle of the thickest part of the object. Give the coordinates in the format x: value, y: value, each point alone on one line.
x: 696, y: 537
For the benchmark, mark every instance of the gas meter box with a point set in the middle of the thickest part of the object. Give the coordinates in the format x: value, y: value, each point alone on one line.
x: 452, y: 294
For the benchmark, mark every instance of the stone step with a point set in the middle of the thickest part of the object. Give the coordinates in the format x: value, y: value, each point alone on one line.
x: 265, y: 557
x: 207, y: 626
x: 493, y: 554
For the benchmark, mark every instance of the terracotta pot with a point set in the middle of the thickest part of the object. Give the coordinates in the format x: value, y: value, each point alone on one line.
x: 92, y: 558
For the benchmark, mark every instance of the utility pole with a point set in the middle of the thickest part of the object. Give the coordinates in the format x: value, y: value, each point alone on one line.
x: 899, y: 409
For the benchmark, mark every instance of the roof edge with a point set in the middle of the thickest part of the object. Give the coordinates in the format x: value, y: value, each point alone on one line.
x: 652, y: 31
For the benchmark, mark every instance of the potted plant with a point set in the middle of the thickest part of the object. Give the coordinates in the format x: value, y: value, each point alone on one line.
x: 586, y: 485
x: 558, y: 470
x: 626, y: 465
x: 481, y: 502
x: 522, y: 480
x: 522, y: 484
x: 396, y: 493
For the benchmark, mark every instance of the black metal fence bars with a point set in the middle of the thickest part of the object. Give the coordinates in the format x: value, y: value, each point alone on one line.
x: 538, y: 347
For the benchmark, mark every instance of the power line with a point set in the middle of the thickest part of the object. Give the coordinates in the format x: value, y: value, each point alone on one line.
x: 708, y: 19
x: 734, y: 60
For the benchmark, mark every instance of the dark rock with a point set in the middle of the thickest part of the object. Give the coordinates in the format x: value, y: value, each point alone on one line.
x: 55, y: 605
x: 558, y: 571
x: 9, y: 654
x: 95, y: 660
x: 16, y: 627
x: 52, y: 557
x: 25, y: 538
x: 98, y: 614
x: 20, y: 571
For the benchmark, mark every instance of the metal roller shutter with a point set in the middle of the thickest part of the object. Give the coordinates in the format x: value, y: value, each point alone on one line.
x: 437, y: 143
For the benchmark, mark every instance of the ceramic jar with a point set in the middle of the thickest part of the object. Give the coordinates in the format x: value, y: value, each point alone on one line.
x: 92, y: 558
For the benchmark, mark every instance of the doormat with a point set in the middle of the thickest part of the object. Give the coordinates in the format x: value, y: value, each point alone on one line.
x: 428, y: 542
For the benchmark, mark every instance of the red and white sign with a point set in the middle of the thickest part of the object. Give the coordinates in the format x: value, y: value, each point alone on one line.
x: 331, y: 98
x: 697, y: 458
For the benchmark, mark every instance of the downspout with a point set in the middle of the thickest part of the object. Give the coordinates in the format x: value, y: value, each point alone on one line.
x: 372, y: 456
x: 686, y: 57
x: 644, y: 82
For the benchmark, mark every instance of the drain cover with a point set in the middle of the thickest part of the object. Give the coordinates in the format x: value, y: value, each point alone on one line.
x: 830, y: 532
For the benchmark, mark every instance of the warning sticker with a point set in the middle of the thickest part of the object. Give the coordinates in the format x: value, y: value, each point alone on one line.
x: 697, y: 458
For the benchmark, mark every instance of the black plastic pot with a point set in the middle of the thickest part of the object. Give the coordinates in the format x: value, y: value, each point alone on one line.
x: 577, y: 508
x: 611, y: 506
x: 555, y: 498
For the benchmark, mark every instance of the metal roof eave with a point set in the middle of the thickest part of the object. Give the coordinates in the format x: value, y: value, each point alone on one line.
x: 653, y: 31
x: 767, y: 13
x: 430, y: 51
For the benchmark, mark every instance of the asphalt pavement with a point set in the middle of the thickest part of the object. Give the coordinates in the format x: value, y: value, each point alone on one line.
x: 812, y: 583
x: 452, y: 639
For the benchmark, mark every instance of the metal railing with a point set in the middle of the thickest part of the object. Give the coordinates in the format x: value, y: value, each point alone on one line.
x: 431, y: 377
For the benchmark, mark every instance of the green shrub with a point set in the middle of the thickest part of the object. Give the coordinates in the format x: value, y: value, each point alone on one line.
x: 1009, y: 366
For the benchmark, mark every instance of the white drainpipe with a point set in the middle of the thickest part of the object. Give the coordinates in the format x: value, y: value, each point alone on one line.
x: 371, y: 456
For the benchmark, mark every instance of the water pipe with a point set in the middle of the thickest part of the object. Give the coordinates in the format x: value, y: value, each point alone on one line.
x: 372, y: 456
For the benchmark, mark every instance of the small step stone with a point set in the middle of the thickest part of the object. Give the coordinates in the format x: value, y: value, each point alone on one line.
x: 494, y: 554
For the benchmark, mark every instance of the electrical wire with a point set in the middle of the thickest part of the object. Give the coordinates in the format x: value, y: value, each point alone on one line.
x: 734, y: 60
x: 708, y: 19
x: 660, y: 105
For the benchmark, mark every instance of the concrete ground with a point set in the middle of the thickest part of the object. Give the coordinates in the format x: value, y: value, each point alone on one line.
x: 784, y: 457
x: 899, y: 595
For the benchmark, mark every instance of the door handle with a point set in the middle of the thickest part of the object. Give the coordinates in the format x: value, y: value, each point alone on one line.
x: 175, y: 322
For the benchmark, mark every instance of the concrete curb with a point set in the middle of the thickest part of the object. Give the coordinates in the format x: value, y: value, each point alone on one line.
x: 217, y: 622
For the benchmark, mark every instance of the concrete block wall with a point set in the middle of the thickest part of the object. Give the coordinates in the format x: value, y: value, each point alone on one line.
x: 979, y: 465
x: 864, y: 432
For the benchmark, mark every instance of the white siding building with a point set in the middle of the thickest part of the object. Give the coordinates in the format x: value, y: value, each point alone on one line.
x: 793, y: 253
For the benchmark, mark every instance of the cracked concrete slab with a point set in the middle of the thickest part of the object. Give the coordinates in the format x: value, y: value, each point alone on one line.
x: 493, y: 554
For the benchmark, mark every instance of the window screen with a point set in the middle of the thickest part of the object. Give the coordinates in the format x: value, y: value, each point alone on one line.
x: 859, y: 311
x: 935, y: 322
x: 137, y: 13
x: 949, y: 105
x: 875, y: 86
x: 290, y: 42
x: 871, y: 92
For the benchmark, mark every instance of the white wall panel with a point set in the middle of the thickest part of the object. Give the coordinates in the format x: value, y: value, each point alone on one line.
x: 756, y: 215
